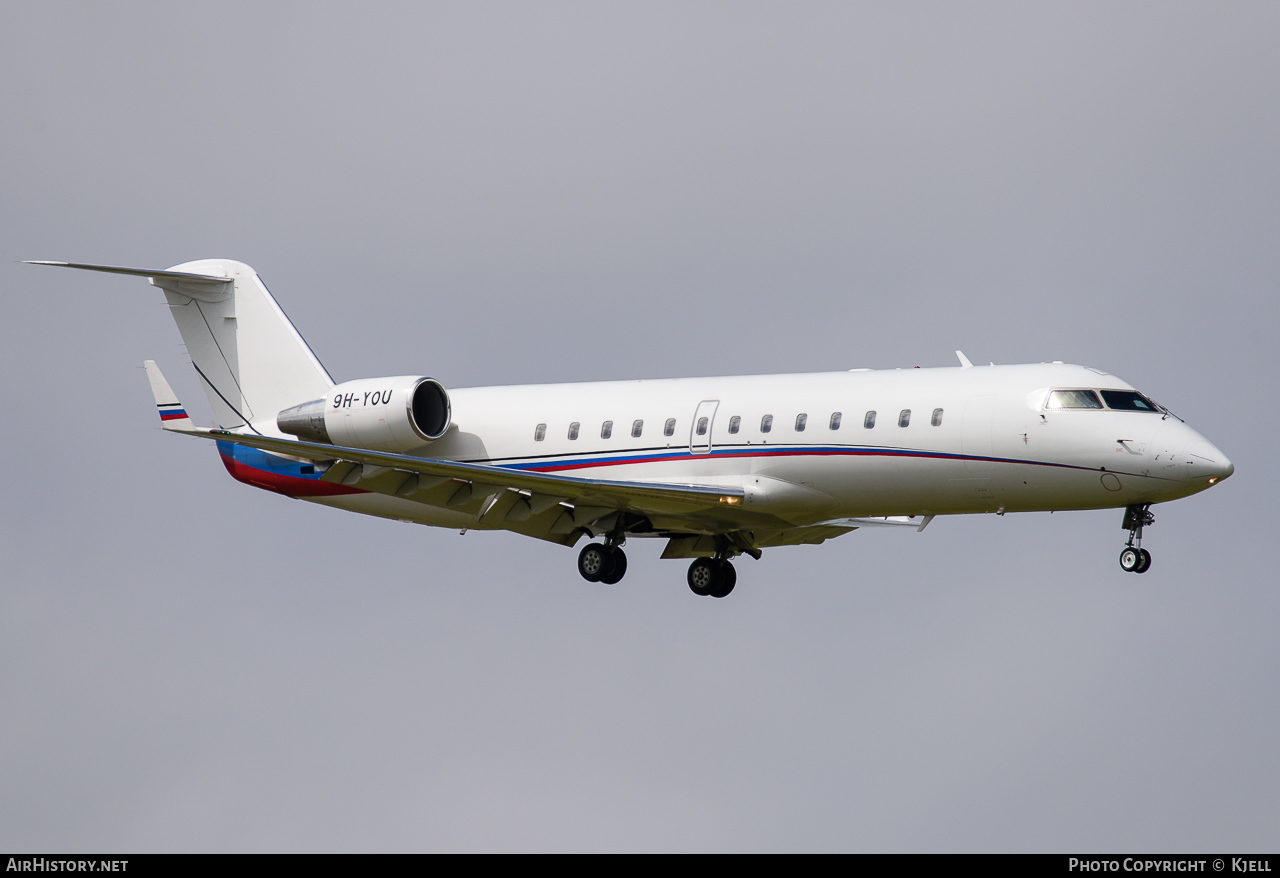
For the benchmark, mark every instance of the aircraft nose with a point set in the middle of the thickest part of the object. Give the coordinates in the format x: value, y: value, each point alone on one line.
x: 1207, y: 462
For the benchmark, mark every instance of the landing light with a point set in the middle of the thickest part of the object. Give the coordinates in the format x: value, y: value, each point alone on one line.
x: 731, y: 501
x: 1212, y: 480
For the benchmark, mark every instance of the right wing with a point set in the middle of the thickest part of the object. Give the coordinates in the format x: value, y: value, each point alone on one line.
x: 551, y: 506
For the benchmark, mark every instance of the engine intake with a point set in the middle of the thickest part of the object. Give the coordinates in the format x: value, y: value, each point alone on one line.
x: 380, y: 414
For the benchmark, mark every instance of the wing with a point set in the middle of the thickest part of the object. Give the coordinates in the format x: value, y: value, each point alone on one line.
x: 545, y: 505
x: 482, y: 477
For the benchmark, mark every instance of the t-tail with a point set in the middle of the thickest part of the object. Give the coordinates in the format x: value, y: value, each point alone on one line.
x: 250, y: 358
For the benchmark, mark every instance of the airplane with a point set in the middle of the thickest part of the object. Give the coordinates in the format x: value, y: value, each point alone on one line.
x: 718, y: 467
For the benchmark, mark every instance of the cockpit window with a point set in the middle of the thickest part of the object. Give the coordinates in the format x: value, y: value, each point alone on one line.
x: 1073, y: 399
x: 1129, y: 401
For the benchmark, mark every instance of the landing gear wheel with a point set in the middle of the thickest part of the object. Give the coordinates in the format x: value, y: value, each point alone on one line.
x: 1144, y: 563
x: 595, y: 562
x: 614, y: 576
x: 727, y: 578
x: 702, y: 576
x: 1135, y: 559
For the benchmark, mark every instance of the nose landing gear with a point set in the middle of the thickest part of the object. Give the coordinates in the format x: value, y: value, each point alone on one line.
x: 1134, y: 558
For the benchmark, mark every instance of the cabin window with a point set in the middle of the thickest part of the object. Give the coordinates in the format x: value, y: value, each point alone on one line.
x: 936, y: 420
x: 766, y: 423
x: 735, y: 424
x: 539, y: 432
x: 835, y: 421
x: 702, y: 427
x: 1073, y: 399
x: 1129, y: 401
x: 801, y: 420
x: 670, y: 428
x: 637, y: 427
x: 870, y: 420
x: 573, y: 430
x: 606, y: 429
x: 904, y: 417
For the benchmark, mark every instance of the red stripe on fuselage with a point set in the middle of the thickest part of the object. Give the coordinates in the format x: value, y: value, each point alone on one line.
x: 290, y: 486
x: 725, y: 455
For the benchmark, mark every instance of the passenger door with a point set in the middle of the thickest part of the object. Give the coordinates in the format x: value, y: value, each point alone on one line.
x: 703, y: 420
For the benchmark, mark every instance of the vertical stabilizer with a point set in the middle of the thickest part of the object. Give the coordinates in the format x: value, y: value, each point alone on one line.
x: 251, y: 359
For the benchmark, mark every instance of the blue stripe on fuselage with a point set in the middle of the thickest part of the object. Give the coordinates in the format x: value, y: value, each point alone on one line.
x: 266, y: 461
x: 581, y: 462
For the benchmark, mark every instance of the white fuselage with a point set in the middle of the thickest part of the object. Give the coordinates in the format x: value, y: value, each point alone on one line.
x: 978, y: 439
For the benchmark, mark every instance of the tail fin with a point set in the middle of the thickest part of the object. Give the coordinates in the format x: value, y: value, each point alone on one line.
x: 251, y: 359
x: 173, y: 416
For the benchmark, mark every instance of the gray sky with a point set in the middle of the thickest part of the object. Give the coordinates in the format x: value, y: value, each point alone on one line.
x: 538, y: 192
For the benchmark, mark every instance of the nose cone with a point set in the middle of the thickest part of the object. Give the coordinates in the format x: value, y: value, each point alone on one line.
x: 1205, y: 462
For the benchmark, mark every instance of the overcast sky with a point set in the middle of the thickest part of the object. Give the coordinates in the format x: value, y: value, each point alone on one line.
x: 544, y: 192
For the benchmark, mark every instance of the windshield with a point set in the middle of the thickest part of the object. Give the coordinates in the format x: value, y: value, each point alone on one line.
x: 1073, y: 399
x: 1115, y: 400
x: 1129, y: 401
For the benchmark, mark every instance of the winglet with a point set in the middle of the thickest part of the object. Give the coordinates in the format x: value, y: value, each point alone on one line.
x: 172, y: 414
x: 964, y: 361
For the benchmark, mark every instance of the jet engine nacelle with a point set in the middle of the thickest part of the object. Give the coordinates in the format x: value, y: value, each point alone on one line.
x: 378, y: 414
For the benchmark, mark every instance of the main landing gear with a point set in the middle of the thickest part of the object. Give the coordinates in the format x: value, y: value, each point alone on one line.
x: 1134, y: 558
x: 712, y: 576
x: 602, y: 562
x: 606, y: 562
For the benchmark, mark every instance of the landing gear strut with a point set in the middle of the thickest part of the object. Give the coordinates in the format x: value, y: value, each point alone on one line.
x: 1134, y: 558
x: 602, y: 562
x: 712, y: 576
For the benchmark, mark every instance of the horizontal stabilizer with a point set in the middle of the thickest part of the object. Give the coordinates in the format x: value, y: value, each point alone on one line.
x: 198, y: 285
x: 173, y: 415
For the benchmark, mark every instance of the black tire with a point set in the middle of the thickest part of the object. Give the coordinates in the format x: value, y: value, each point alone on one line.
x: 703, y: 576
x: 1130, y: 558
x: 727, y: 578
x: 595, y: 562
x: 1144, y: 563
x: 614, y: 576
